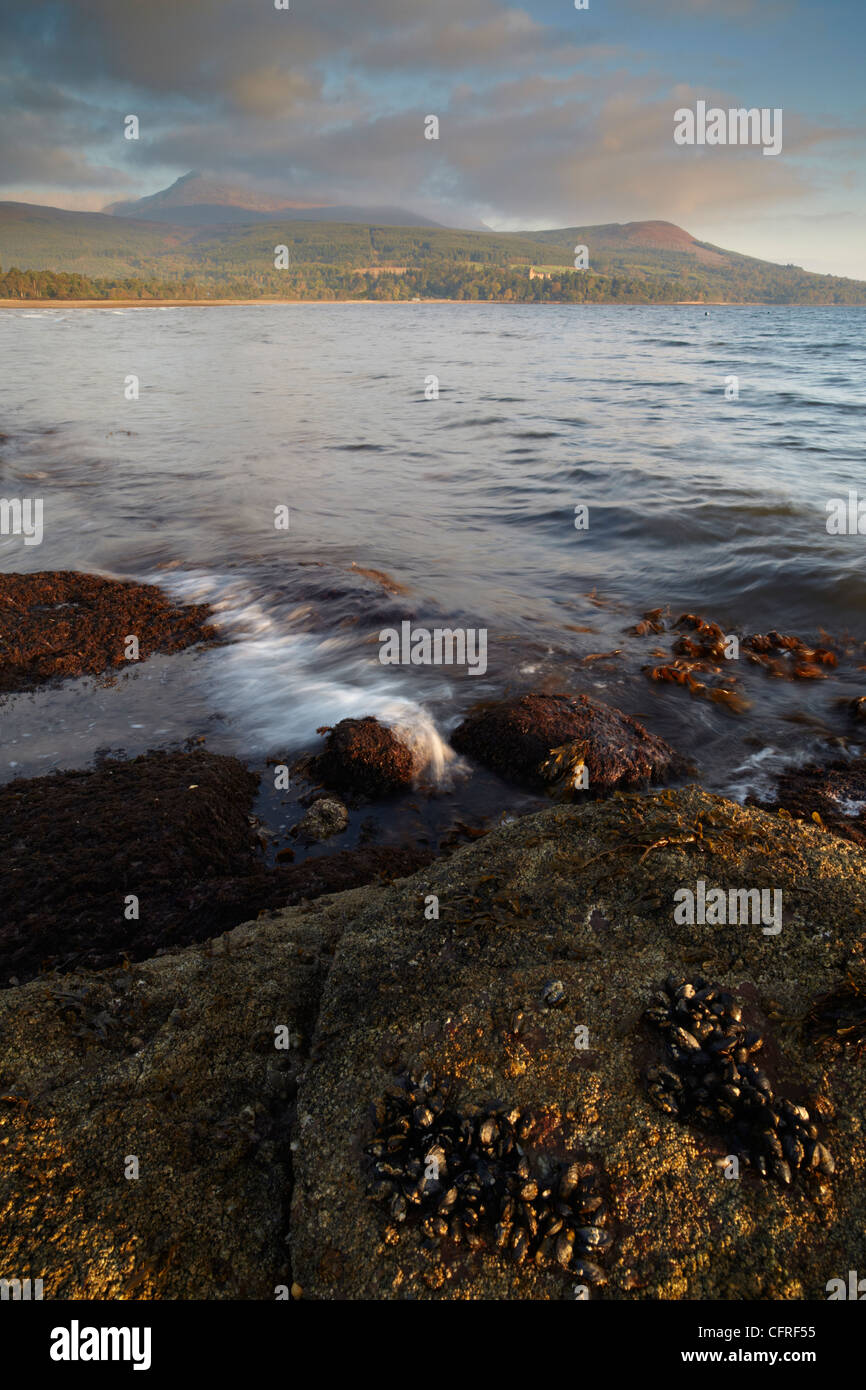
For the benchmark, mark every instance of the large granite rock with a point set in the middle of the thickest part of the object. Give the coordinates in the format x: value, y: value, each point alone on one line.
x: 174, y: 1063
x: 584, y: 898
x: 252, y: 1164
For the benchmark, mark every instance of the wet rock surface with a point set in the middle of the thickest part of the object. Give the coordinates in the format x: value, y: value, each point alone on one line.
x: 326, y: 817
x: 58, y: 624
x: 520, y: 739
x: 364, y: 758
x: 836, y: 794
x: 174, y: 1061
x: 171, y: 830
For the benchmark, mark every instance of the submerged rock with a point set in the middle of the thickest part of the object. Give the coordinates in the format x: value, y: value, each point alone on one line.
x: 325, y: 818
x: 520, y: 738
x: 57, y: 624
x: 365, y: 758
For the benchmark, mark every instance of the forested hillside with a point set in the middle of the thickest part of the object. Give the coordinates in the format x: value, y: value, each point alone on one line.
x: 52, y: 254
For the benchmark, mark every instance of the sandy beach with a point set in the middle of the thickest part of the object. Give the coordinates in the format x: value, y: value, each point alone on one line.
x: 267, y: 303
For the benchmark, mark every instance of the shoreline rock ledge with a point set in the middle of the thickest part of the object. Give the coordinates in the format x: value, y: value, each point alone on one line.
x: 256, y: 1163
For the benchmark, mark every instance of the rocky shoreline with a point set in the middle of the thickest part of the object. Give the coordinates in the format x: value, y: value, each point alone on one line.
x: 244, y: 1073
x: 221, y: 1079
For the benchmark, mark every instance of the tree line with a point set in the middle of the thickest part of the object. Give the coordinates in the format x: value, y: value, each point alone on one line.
x: 751, y: 282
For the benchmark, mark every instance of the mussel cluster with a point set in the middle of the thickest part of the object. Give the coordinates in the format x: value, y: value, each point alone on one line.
x: 472, y: 1179
x: 711, y: 1079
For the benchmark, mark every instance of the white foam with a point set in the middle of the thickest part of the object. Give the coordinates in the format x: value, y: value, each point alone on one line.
x: 758, y: 775
x: 278, y: 681
x: 434, y: 758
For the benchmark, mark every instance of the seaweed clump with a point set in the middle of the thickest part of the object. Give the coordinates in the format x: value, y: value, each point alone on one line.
x: 702, y: 649
x: 547, y: 742
x: 58, y: 624
x: 364, y: 758
x: 839, y: 1017
x: 173, y: 831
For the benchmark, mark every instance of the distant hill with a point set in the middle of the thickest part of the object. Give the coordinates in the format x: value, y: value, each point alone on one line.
x: 195, y: 201
x: 635, y: 262
x: 90, y: 243
x: 637, y: 236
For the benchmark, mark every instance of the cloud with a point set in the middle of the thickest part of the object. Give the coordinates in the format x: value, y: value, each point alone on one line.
x: 715, y: 10
x: 544, y: 121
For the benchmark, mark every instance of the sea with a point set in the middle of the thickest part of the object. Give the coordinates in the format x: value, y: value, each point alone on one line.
x: 544, y: 474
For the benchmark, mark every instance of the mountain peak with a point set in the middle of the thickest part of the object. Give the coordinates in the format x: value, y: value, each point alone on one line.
x: 195, y: 199
x: 196, y: 189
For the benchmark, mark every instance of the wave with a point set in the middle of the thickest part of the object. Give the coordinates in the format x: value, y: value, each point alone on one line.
x: 278, y: 682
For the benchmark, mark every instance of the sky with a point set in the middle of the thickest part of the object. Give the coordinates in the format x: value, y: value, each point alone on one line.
x: 549, y: 116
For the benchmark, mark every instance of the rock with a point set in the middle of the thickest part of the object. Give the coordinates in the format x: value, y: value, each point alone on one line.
x: 185, y: 1078
x: 365, y: 758
x: 76, y: 847
x: 241, y: 1145
x: 170, y: 829
x: 835, y: 793
x: 578, y: 890
x: 58, y: 624
x: 516, y: 737
x: 325, y: 818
